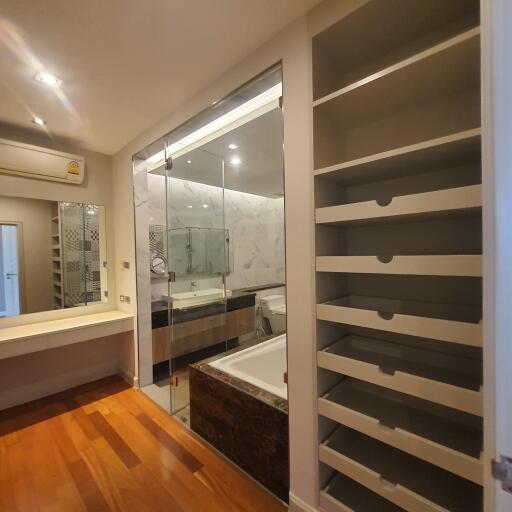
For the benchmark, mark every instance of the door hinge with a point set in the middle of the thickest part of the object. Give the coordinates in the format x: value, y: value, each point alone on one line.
x: 168, y: 163
x: 174, y: 381
x: 172, y: 277
x: 502, y: 471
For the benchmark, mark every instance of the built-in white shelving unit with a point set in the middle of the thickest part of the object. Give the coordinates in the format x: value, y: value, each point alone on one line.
x: 398, y: 200
x: 58, y: 290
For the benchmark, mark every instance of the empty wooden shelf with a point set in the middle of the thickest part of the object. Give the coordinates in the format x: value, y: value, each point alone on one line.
x: 407, y: 481
x: 443, y: 152
x: 440, y: 378
x: 449, y: 439
x: 406, y: 317
x: 442, y: 70
x: 414, y: 206
x: 436, y: 265
x: 342, y: 494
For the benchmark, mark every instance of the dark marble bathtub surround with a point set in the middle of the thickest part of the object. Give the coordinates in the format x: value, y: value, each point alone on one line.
x: 250, y: 389
x: 247, y: 424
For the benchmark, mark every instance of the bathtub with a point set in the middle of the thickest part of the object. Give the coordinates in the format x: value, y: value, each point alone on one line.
x: 263, y: 365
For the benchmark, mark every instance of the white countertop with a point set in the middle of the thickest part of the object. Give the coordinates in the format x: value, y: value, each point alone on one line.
x: 24, y: 339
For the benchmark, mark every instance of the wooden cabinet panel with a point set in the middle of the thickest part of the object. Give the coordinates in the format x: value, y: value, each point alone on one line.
x: 201, y: 333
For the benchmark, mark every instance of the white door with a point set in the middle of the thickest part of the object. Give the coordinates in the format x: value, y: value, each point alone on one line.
x: 10, y: 270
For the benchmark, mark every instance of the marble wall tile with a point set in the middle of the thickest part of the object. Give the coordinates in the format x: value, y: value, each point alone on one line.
x: 255, y: 224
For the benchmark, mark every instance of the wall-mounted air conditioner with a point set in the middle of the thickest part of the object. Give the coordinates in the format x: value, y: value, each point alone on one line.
x: 40, y: 163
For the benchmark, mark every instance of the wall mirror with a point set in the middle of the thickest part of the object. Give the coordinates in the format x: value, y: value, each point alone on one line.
x: 52, y: 255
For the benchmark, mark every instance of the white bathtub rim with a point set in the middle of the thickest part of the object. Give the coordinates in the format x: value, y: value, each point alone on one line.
x: 223, y: 365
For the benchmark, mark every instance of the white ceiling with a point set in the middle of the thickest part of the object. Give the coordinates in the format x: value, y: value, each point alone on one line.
x: 260, y: 148
x: 125, y: 64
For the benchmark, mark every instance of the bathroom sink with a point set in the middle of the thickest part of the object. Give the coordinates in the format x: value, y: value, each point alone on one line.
x: 194, y: 298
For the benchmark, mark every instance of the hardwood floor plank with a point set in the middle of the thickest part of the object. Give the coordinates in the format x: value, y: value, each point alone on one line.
x: 81, y: 418
x: 170, y: 443
x: 35, y: 442
x: 190, y: 492
x: 23, y: 488
x: 122, y: 450
x: 90, y: 493
x: 163, y: 466
x: 7, y: 494
x: 106, y: 447
x: 233, y: 481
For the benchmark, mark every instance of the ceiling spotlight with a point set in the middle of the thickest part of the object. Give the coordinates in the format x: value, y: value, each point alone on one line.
x: 39, y: 121
x: 189, y: 161
x: 189, y: 206
x: 232, y: 146
x: 48, y: 79
x: 235, y: 161
x: 205, y: 206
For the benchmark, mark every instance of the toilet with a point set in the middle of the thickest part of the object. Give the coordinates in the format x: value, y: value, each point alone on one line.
x: 273, y: 308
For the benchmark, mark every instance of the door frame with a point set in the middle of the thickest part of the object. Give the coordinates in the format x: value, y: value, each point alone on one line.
x: 496, y: 61
x: 21, y: 260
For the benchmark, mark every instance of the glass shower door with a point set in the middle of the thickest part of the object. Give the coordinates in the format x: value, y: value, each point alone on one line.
x: 197, y: 256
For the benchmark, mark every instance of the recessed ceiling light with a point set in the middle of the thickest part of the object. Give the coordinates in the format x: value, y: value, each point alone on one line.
x: 48, y: 79
x: 39, y: 121
x: 189, y: 206
x: 189, y: 161
x: 205, y: 206
x: 235, y: 161
x: 232, y: 146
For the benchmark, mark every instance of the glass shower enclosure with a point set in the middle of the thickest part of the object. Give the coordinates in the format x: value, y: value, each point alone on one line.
x: 197, y: 246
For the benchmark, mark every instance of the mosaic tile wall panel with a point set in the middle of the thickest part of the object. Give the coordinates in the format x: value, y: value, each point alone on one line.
x: 156, y: 240
x: 80, y: 253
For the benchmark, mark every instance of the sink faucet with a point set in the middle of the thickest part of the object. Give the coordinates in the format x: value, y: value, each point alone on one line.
x: 193, y: 284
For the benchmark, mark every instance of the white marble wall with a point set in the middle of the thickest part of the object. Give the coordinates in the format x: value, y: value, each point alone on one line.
x: 255, y: 223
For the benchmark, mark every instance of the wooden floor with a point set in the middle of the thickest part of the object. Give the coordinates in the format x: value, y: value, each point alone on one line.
x: 106, y: 447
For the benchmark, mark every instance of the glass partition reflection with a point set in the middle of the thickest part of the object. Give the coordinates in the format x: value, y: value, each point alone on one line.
x: 199, y: 251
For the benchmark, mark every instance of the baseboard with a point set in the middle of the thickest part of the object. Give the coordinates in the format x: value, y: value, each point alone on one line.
x: 128, y: 377
x: 297, y: 505
x: 55, y: 384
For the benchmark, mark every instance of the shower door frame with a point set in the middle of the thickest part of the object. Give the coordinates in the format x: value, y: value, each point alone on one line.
x: 175, y: 406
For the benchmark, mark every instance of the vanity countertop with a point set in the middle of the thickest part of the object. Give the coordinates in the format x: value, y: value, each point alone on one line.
x: 27, y: 338
x: 237, y: 300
